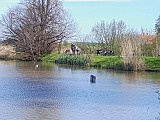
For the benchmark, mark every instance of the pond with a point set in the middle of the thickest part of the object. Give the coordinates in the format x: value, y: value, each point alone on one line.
x: 54, y: 92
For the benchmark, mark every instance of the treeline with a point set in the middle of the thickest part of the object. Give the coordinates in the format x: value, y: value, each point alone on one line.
x: 38, y: 27
x: 116, y: 35
x: 125, y: 42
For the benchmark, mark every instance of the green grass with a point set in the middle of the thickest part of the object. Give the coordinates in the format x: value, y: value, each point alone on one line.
x: 50, y: 57
x: 106, y: 62
x: 152, y: 63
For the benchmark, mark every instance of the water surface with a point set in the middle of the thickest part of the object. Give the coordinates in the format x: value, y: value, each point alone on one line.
x: 53, y: 92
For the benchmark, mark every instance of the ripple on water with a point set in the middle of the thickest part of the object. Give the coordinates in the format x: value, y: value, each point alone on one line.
x: 66, y: 94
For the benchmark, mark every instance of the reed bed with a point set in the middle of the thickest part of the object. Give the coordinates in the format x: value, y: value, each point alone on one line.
x: 73, y: 60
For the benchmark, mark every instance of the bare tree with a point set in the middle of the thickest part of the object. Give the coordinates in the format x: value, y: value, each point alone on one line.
x: 125, y: 42
x: 87, y: 44
x: 108, y: 33
x: 35, y: 25
x: 131, y: 51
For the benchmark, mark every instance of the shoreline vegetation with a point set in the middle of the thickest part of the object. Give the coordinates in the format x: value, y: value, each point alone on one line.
x: 104, y: 62
x: 8, y: 52
x: 87, y: 60
x: 41, y: 31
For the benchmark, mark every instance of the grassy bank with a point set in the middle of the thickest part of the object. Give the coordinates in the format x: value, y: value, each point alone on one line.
x: 106, y: 62
x: 51, y: 57
x: 152, y: 63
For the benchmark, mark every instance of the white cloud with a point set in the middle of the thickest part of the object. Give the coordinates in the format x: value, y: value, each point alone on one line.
x: 96, y: 0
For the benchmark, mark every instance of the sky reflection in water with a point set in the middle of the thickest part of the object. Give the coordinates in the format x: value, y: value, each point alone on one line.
x: 53, y: 92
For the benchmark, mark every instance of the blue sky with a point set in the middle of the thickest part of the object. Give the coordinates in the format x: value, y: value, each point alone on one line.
x: 135, y: 13
x: 5, y: 4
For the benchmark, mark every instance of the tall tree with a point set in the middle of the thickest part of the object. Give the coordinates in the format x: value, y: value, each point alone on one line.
x: 157, y: 25
x: 157, y: 29
x: 35, y: 25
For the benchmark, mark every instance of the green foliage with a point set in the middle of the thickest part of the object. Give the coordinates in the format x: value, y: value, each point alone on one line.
x: 92, y: 47
x: 109, y: 62
x: 88, y: 47
x: 50, y: 57
x: 152, y: 63
x: 73, y: 60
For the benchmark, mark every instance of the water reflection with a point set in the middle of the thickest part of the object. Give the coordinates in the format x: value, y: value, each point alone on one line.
x: 53, y: 92
x: 28, y: 69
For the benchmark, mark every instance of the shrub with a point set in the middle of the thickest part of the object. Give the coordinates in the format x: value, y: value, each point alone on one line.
x: 50, y: 57
x: 73, y: 60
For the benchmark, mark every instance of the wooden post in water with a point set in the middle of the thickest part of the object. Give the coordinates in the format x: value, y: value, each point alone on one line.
x: 92, y: 79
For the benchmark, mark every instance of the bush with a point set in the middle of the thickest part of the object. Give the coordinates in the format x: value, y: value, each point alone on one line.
x: 73, y: 60
x: 50, y: 57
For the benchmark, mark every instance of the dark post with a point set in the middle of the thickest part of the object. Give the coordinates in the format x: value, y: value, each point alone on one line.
x: 92, y: 79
